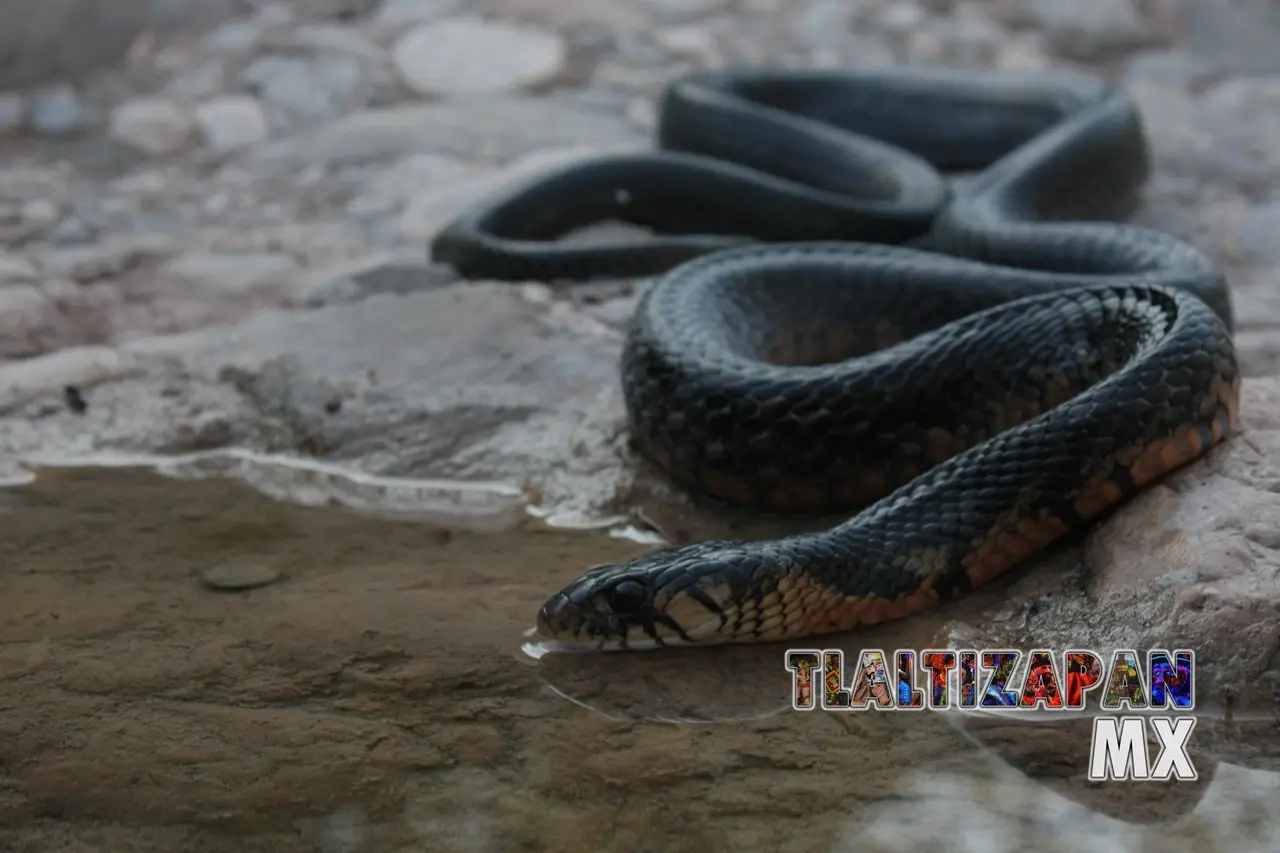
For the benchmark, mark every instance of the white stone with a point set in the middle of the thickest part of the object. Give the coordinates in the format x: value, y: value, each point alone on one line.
x: 229, y: 275
x: 29, y: 379
x: 682, y: 11
x: 56, y: 110
x: 232, y: 122
x: 471, y: 56
x: 1085, y: 28
x: 1022, y: 52
x: 233, y: 37
x: 203, y: 81
x: 691, y: 41
x: 12, y: 112
x: 329, y: 37
x: 397, y: 13
x: 394, y: 185
x: 40, y: 212
x: 642, y: 113
x: 306, y: 89
x: 25, y: 317
x: 901, y: 18
x: 15, y: 268
x: 153, y: 125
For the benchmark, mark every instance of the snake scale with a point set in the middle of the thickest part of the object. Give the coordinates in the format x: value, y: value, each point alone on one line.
x: 907, y: 294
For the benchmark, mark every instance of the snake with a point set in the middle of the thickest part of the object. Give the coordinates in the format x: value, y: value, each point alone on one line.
x: 906, y: 295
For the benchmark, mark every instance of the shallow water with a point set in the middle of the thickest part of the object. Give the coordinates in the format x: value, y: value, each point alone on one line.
x: 367, y: 691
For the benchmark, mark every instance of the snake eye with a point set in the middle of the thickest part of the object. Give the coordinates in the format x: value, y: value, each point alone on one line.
x: 626, y: 597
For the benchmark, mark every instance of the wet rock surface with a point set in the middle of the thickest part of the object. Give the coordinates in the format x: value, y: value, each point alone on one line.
x: 219, y: 241
x: 354, y: 683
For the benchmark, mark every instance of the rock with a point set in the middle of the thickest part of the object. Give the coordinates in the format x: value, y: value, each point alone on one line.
x: 1189, y: 563
x: 56, y: 313
x: 108, y: 259
x: 457, y: 366
x: 15, y: 268
x: 974, y: 41
x: 691, y: 42
x: 1239, y: 125
x: 71, y: 230
x: 232, y: 122
x: 26, y: 315
x: 1010, y: 806
x: 825, y: 24
x: 684, y: 11
x: 153, y: 125
x: 390, y: 188
x: 55, y: 111
x: 345, y: 10
x: 471, y: 56
x: 21, y: 221
x: 23, y: 381
x: 397, y: 13
x: 144, y: 705
x: 432, y: 209
x: 230, y: 275
x: 477, y: 131
x: 204, y: 81
x: 13, y: 112
x: 1239, y: 37
x: 305, y: 90
x: 40, y: 212
x: 901, y: 19
x: 239, y: 575
x: 1172, y: 67
x: 966, y: 42
x: 233, y: 37
x: 1087, y: 29
x: 326, y: 37
x: 642, y: 113
x: 1169, y: 113
x: 376, y: 274
x: 635, y: 53
x: 1259, y: 235
x: 1196, y: 559
x: 241, y: 36
x: 1022, y: 52
x: 82, y: 39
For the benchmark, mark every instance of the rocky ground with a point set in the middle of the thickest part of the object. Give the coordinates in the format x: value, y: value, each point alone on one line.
x: 237, y: 213
x: 220, y: 242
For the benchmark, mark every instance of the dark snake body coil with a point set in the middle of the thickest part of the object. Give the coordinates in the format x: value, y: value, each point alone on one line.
x: 981, y: 369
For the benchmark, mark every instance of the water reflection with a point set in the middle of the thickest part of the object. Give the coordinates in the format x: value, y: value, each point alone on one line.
x: 711, y: 685
x: 1001, y: 812
x: 986, y: 780
x: 372, y: 697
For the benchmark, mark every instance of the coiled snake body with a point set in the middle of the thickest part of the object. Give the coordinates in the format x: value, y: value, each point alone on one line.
x: 981, y: 370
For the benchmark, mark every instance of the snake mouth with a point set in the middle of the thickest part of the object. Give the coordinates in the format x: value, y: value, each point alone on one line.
x: 590, y: 627
x: 703, y: 594
x: 678, y: 597
x: 598, y: 622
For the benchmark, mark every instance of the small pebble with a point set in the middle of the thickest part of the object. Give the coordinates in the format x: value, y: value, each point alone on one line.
x: 232, y: 122
x: 75, y: 400
x: 12, y: 112
x: 238, y: 575
x: 56, y: 111
x: 16, y: 268
x: 471, y: 56
x: 153, y: 125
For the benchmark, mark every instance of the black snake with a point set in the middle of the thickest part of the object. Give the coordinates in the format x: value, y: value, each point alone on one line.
x: 981, y: 366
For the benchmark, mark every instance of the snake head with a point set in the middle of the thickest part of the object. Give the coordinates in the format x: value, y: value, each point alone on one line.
x: 711, y: 592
